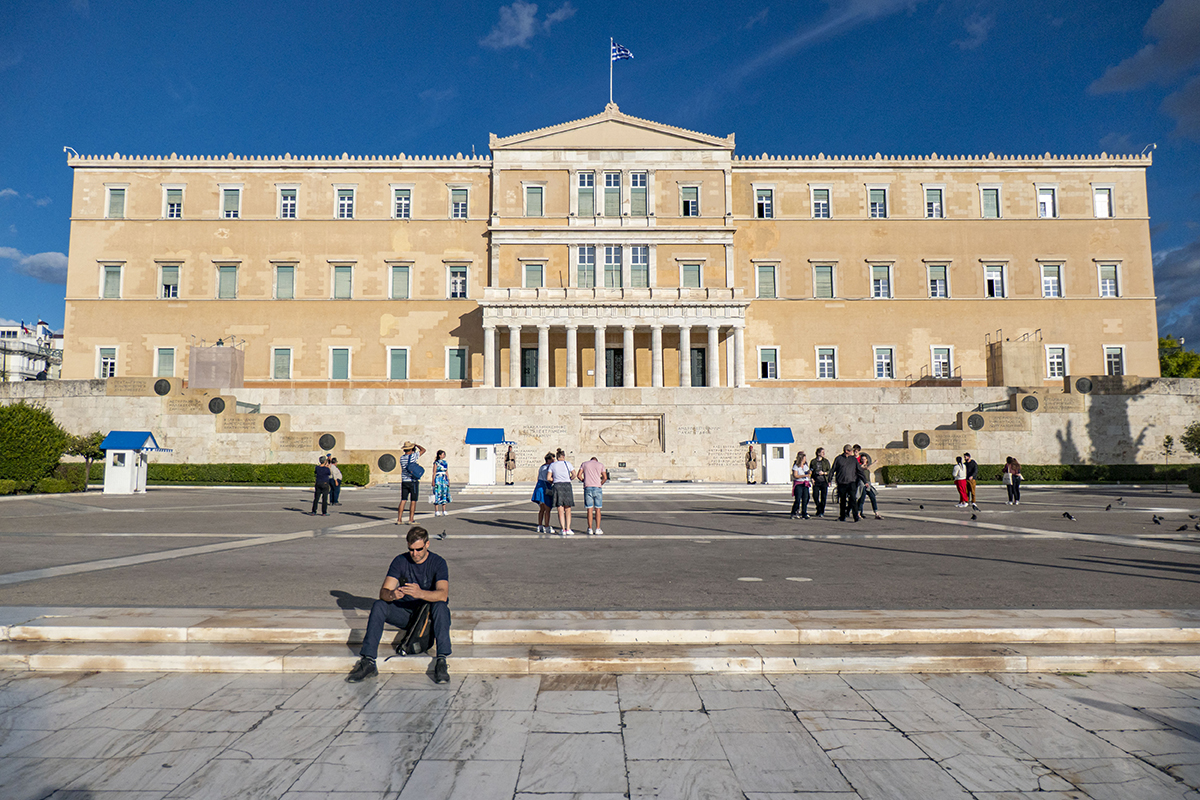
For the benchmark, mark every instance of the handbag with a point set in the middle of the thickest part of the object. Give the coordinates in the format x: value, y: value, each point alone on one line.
x: 415, y: 469
x: 1008, y: 479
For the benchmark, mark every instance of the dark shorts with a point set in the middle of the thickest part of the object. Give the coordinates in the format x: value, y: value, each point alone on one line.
x: 410, y: 490
x: 564, y: 495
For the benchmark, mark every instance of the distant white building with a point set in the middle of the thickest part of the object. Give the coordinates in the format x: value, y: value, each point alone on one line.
x: 30, y: 352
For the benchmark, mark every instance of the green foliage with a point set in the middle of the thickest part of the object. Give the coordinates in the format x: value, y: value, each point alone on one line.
x: 73, y: 473
x: 8, y: 487
x: 1193, y: 478
x: 52, y: 486
x: 1176, y: 362
x: 1043, y: 473
x: 32, y: 442
x: 1191, y: 438
x: 87, y: 447
x: 262, y: 474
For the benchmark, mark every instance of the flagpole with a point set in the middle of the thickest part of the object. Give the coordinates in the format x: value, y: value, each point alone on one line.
x: 610, y: 62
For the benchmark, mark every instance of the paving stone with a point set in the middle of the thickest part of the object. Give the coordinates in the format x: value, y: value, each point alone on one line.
x: 976, y: 692
x: 462, y: 780
x: 1117, y: 778
x: 243, y: 778
x: 982, y: 761
x: 363, y: 761
x: 683, y: 780
x: 497, y: 693
x: 818, y: 693
x: 573, y: 762
x: 486, y: 735
x: 779, y: 762
x: 674, y: 735
x: 658, y: 693
x: 889, y: 780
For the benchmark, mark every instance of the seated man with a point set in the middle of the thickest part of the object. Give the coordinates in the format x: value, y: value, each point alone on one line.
x: 415, y: 576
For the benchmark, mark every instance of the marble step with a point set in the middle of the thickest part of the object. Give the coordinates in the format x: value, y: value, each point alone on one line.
x: 517, y: 659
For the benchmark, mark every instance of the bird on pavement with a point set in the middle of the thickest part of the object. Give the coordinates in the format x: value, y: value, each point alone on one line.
x: 1193, y: 516
x: 1121, y: 502
x: 1155, y: 520
x: 1108, y: 507
x: 973, y: 517
x: 441, y: 536
x: 921, y: 506
x: 1181, y: 528
x: 1067, y: 515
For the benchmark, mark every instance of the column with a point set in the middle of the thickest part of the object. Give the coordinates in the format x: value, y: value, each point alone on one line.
x: 572, y: 356
x: 543, y: 356
x: 489, y: 355
x: 656, y: 355
x: 627, y: 351
x: 601, y: 336
x: 685, y: 355
x: 739, y: 356
x: 713, y: 356
x: 514, y: 356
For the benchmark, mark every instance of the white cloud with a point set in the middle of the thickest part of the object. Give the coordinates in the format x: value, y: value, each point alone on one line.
x: 519, y: 23
x: 40, y: 201
x: 9, y: 193
x: 757, y: 18
x: 1178, y: 304
x: 46, y: 267
x: 978, y: 27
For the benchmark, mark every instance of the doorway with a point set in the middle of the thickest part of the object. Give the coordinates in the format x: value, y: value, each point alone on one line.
x: 614, y: 367
x: 699, y: 365
x: 529, y: 366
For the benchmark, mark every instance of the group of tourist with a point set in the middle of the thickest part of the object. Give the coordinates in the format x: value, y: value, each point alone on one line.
x: 966, y: 471
x: 555, y: 489
x: 850, y: 473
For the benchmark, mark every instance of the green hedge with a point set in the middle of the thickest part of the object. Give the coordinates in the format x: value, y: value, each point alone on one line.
x: 8, y: 487
x: 254, y: 474
x: 1194, y: 479
x: 74, y: 474
x: 1040, y: 473
x: 53, y: 486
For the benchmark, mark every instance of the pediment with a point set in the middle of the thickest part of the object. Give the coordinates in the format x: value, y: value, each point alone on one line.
x: 612, y: 130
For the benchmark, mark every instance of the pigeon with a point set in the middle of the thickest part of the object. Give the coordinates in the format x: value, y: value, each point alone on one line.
x: 921, y: 507
x: 441, y: 536
x: 1067, y: 515
x: 974, y: 508
x: 973, y: 517
x: 1121, y: 502
x: 1155, y: 521
x: 1108, y: 507
x: 1181, y: 528
x: 1198, y: 526
x: 1193, y: 516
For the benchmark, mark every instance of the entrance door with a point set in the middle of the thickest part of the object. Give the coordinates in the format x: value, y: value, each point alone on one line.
x: 614, y: 367
x: 529, y: 366
x: 699, y: 377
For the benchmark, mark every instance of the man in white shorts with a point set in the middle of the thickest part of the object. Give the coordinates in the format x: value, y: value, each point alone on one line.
x: 561, y: 474
x: 594, y: 476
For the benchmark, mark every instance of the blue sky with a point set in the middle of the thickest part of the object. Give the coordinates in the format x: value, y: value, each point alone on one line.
x: 839, y: 77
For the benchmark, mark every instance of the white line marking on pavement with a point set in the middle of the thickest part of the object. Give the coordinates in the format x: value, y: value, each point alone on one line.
x: 799, y: 580
x: 751, y: 580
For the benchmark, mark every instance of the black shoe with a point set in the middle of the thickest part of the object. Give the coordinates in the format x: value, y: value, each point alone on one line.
x: 365, y: 668
x: 440, y: 673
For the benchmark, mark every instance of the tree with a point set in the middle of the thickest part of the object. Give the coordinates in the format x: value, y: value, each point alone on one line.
x: 87, y: 447
x: 1176, y: 362
x: 31, y: 442
x: 1191, y: 439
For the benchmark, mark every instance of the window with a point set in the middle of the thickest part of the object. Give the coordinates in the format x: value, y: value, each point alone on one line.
x: 111, y: 290
x: 339, y: 363
x: 342, y: 282
x: 612, y: 267
x: 456, y: 363
x: 690, y: 198
x: 108, y: 362
x: 165, y: 367
x: 402, y: 203
x: 881, y: 280
x: 170, y: 281
x: 690, y: 276
x: 1051, y: 280
x: 174, y: 204
x: 345, y: 204
x: 933, y: 204
x: 766, y: 281
x: 533, y: 275
x: 458, y: 204
x: 612, y: 194
x: 1047, y: 202
x: 637, y: 194
x: 231, y: 203
x: 400, y: 282
x: 990, y: 202
x: 398, y: 363
x: 639, y: 266
x: 764, y: 203
x: 827, y: 363
x: 1056, y: 362
x: 823, y: 281
x: 885, y: 367
x: 877, y: 203
x: 938, y: 286
x: 533, y: 201
x: 1108, y: 281
x: 116, y: 202
x: 458, y: 283
x: 993, y: 280
x: 285, y: 282
x: 768, y: 363
x: 820, y: 203
x: 227, y: 282
x: 281, y: 364
x: 587, y: 267
x: 941, y: 362
x: 1114, y: 361
x: 287, y: 203
x: 587, y: 198
x: 1102, y: 201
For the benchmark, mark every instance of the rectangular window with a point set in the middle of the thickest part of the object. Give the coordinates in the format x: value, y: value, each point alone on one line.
x: 941, y: 362
x: 402, y: 203
x: 227, y: 283
x: 639, y: 266
x: 612, y: 267
x: 285, y: 282
x: 166, y: 362
x: 881, y: 280
x: 933, y: 204
x: 116, y: 203
x: 112, y: 281
x: 587, y: 194
x: 398, y: 363
x: 768, y: 363
x: 1114, y: 361
x: 108, y: 362
x: 281, y: 364
x: 287, y: 203
x: 690, y: 197
x: 342, y: 282
x: 533, y: 275
x: 458, y: 204
x: 993, y: 280
x: 885, y: 367
x: 400, y: 282
x: 612, y: 194
x: 345, y: 204
x: 1056, y: 362
x: 1108, y: 280
x: 533, y: 201
x: 877, y: 203
x: 826, y: 363
x: 820, y: 203
x: 938, y: 286
x: 1051, y: 280
x: 339, y: 363
x: 456, y: 364
x: 1047, y: 205
x: 1102, y: 202
x: 231, y: 203
x: 823, y: 281
x: 766, y: 281
x: 691, y: 276
x: 991, y: 203
x: 587, y: 267
x: 174, y: 203
x: 170, y: 282
x: 458, y: 283
x: 637, y: 194
x: 764, y: 203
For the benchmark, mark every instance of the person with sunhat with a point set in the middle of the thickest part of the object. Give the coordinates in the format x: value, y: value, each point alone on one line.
x: 410, y: 482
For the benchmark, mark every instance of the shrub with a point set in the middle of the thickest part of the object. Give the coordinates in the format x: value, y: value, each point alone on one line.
x: 33, y: 442
x: 1193, y: 479
x: 263, y: 474
x: 52, y: 486
x: 74, y: 474
x: 1039, y: 473
x: 8, y: 487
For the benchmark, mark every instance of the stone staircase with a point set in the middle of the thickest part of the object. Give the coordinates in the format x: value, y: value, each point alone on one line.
x: 252, y: 640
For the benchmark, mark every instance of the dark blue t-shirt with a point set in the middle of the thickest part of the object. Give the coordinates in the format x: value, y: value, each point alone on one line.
x: 426, y: 574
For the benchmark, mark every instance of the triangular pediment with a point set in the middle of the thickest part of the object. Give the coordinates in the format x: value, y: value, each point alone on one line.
x: 612, y: 130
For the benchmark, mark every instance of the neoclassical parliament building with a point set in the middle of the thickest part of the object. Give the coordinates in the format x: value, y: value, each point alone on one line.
x: 610, y: 251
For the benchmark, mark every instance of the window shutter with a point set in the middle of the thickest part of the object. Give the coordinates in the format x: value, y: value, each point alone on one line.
x: 227, y: 283
x: 458, y: 195
x: 112, y: 282
x: 399, y: 365
x: 533, y: 201
x: 766, y: 280
x: 174, y: 196
x: 283, y: 364
x: 400, y: 284
x: 231, y: 201
x: 824, y: 281
x: 1108, y: 272
x: 879, y: 273
x: 285, y: 283
x: 991, y: 203
x: 878, y: 196
x: 166, y: 362
x: 937, y: 273
x: 821, y: 195
x: 116, y: 203
x: 341, y: 282
x: 340, y: 363
x: 691, y: 276
x: 170, y: 276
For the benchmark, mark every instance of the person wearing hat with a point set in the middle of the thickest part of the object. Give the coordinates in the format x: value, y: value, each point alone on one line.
x: 410, y: 485
x: 335, y: 485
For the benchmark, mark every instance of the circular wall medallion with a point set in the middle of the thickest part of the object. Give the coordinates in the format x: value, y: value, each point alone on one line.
x: 921, y: 440
x: 1083, y: 385
x: 327, y: 441
x: 387, y: 462
x: 216, y: 405
x: 1029, y: 403
x: 162, y: 386
x: 271, y: 423
x: 975, y: 422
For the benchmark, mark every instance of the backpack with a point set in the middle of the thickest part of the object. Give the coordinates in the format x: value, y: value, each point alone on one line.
x: 418, y: 636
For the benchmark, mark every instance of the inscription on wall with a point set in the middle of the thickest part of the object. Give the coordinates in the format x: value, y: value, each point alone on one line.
x: 293, y: 441
x: 1062, y: 403
x: 240, y: 423
x: 185, y: 405
x: 128, y: 387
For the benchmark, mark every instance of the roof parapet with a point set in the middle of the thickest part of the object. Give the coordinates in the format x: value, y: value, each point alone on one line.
x: 991, y: 159
x: 285, y: 160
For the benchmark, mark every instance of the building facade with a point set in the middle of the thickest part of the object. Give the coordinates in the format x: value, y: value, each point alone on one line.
x: 29, y: 352
x: 611, y: 252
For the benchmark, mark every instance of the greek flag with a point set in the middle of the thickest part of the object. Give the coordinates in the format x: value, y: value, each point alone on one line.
x: 620, y: 52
